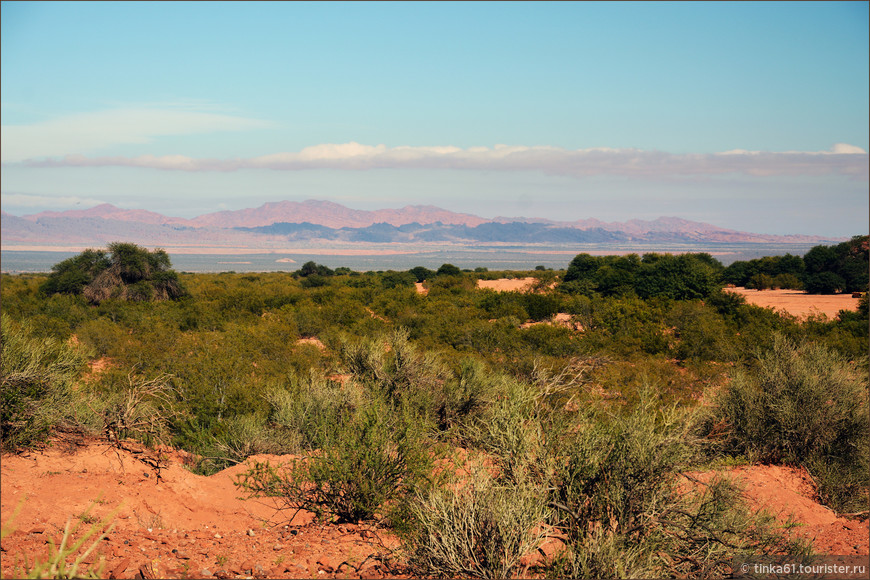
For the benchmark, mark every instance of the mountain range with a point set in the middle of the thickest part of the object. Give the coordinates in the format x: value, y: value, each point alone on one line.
x: 272, y: 225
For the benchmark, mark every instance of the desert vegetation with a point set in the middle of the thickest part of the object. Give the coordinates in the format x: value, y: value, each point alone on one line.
x: 464, y: 419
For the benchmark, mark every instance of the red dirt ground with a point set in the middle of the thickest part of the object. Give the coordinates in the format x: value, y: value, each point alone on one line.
x: 799, y: 303
x: 182, y: 525
x: 186, y: 525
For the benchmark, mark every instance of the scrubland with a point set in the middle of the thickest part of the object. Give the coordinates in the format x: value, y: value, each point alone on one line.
x: 485, y: 445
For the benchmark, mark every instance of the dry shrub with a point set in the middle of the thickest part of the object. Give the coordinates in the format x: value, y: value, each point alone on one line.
x: 37, y: 374
x: 476, y: 527
x: 803, y: 405
x: 142, y: 410
x: 366, y: 469
x: 625, y: 514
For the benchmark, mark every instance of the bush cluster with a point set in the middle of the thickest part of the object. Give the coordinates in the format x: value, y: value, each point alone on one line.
x: 822, y: 270
x: 126, y: 272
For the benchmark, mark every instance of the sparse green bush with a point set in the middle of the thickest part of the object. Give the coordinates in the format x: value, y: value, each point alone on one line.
x: 803, y: 405
x: 367, y: 468
x: 467, y: 395
x: 142, y: 409
x: 621, y: 503
x: 309, y: 408
x: 512, y: 430
x: 476, y: 527
x: 67, y: 559
x: 700, y: 333
x: 390, y: 366
x: 35, y: 389
x: 245, y: 435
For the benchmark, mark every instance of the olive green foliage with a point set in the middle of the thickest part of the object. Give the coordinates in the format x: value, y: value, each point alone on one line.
x: 840, y: 268
x: 312, y: 269
x: 822, y: 270
x: 72, y: 275
x: 581, y: 426
x: 681, y: 277
x: 126, y: 272
x: 448, y: 270
x: 804, y: 405
x: 476, y: 529
x: 365, y: 470
x: 142, y: 409
x: 768, y: 272
x: 619, y: 498
x: 421, y: 273
x: 35, y: 389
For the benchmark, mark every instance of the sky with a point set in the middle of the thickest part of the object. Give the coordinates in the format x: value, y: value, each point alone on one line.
x: 747, y: 115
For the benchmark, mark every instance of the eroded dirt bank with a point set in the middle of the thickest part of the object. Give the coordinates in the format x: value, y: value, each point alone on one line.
x: 185, y: 525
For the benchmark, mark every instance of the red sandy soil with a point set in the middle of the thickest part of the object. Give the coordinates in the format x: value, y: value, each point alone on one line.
x: 177, y: 525
x: 186, y: 525
x: 799, y: 303
x: 506, y: 285
x: 787, y: 492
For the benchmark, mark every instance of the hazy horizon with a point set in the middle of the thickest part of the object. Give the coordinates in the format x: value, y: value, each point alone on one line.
x: 747, y: 116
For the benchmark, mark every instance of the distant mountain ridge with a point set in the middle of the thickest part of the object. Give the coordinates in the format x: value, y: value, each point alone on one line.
x: 276, y: 223
x: 324, y: 213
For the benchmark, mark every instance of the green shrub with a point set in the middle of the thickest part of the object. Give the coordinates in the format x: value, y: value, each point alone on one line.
x: 465, y: 396
x: 143, y: 409
x: 105, y: 337
x: 309, y: 408
x: 367, y: 468
x: 476, y: 527
x: 390, y: 366
x: 35, y: 389
x: 246, y: 435
x: 701, y: 333
x: 803, y: 405
x: 788, y: 281
x: 626, y: 514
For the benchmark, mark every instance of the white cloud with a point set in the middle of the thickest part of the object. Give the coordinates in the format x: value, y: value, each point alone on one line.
x: 845, y: 148
x: 841, y: 159
x: 87, y: 132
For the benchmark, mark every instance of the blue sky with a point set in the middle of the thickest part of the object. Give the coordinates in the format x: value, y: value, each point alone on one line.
x: 752, y: 116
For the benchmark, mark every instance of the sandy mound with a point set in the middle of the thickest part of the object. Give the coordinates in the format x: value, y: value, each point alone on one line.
x: 175, y: 525
x: 787, y: 492
x: 185, y: 525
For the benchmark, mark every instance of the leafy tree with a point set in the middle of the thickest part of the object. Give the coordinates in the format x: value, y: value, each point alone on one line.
x: 840, y: 268
x: 741, y: 273
x: 393, y: 279
x: 683, y: 277
x: 127, y: 272
x: 421, y: 273
x: 581, y: 268
x: 73, y: 274
x: 448, y: 270
x: 760, y: 282
x: 310, y: 268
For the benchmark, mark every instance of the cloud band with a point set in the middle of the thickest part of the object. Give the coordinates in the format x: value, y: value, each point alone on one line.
x: 842, y: 159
